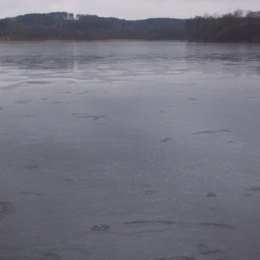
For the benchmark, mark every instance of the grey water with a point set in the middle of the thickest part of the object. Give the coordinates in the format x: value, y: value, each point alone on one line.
x: 129, y: 151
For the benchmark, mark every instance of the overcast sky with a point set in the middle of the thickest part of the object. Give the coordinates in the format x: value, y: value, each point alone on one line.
x: 127, y: 9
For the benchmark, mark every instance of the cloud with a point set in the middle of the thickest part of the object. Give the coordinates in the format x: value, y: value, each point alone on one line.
x: 134, y: 9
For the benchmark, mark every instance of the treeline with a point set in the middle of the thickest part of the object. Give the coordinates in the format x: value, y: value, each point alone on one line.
x: 66, y: 26
x: 238, y: 26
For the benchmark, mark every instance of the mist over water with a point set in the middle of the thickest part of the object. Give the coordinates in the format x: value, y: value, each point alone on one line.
x: 134, y: 151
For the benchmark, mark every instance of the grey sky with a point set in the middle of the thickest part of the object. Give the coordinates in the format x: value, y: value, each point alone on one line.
x: 127, y: 9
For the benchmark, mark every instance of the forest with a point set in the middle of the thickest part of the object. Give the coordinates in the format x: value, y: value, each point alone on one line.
x: 238, y: 26
x: 66, y: 26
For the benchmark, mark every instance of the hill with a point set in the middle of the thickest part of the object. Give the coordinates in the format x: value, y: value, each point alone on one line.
x: 66, y: 26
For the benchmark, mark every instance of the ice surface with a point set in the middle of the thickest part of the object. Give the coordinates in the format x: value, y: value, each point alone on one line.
x: 133, y: 151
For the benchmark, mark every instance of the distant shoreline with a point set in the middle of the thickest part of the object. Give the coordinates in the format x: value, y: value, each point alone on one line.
x: 78, y: 41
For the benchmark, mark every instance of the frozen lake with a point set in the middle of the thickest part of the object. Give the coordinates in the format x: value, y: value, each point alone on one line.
x: 129, y: 151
